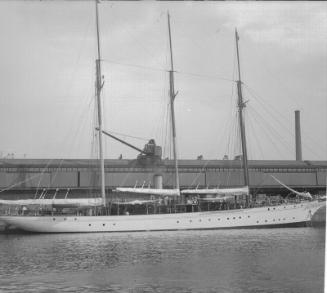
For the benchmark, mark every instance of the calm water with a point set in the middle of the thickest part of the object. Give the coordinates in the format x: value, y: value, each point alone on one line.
x: 272, y: 260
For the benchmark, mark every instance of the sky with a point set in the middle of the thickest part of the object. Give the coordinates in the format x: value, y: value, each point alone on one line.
x: 47, y: 70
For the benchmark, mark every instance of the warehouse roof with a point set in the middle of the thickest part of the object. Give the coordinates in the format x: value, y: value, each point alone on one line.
x: 124, y: 163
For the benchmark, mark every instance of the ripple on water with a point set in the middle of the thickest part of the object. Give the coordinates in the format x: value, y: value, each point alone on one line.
x: 271, y: 260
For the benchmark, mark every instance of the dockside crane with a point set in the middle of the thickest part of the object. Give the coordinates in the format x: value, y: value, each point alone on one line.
x: 150, y: 153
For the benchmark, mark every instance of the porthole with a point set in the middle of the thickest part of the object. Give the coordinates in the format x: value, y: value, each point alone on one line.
x: 209, y: 220
x: 278, y: 219
x: 103, y: 225
x: 190, y: 221
x: 200, y: 220
x: 295, y: 206
x: 65, y: 219
x: 257, y: 221
x: 273, y: 208
x: 284, y: 219
x: 89, y: 224
x: 218, y: 219
x: 114, y: 224
x: 233, y: 218
x: 54, y: 219
x: 293, y: 218
x: 75, y: 219
x: 177, y: 222
x: 268, y: 209
x: 284, y: 207
x: 266, y: 221
x: 227, y: 218
x: 248, y: 216
x: 274, y: 220
x: 240, y: 217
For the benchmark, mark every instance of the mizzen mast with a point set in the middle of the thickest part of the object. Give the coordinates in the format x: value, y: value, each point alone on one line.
x: 241, y: 105
x: 172, y: 95
x: 99, y: 85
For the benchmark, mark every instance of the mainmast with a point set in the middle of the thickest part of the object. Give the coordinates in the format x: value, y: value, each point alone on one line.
x: 241, y: 105
x: 172, y: 95
x: 99, y: 85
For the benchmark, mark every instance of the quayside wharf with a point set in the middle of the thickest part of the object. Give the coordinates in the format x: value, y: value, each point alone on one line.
x: 22, y: 177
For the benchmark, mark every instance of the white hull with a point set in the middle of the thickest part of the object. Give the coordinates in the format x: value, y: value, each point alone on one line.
x: 272, y: 216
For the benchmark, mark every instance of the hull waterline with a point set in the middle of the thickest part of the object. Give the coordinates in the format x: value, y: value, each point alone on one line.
x: 263, y: 217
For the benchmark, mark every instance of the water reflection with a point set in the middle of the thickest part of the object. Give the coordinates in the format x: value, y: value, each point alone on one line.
x: 274, y: 260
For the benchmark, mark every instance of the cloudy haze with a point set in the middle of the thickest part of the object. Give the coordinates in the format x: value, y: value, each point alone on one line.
x: 47, y: 74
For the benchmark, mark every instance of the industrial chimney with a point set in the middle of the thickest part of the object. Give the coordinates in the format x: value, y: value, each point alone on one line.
x: 298, y: 145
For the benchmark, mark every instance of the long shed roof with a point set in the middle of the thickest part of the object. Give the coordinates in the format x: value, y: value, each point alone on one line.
x: 124, y: 163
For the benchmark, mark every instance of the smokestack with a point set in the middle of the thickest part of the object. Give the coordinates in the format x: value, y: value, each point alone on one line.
x: 157, y: 179
x: 298, y: 145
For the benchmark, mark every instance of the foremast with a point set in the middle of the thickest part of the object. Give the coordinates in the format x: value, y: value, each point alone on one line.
x: 99, y: 85
x: 241, y: 104
x: 172, y: 96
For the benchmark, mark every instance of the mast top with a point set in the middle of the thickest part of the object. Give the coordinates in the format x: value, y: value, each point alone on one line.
x: 97, y: 26
x: 237, y: 38
x: 170, y: 44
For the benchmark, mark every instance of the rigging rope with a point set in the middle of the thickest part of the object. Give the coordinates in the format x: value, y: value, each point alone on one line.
x: 265, y: 126
x: 252, y: 132
x: 278, y: 117
x: 20, y: 182
x: 205, y: 76
x: 135, y: 65
x: 126, y: 135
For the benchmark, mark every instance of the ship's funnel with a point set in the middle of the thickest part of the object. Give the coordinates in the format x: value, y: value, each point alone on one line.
x: 157, y: 178
x: 298, y: 145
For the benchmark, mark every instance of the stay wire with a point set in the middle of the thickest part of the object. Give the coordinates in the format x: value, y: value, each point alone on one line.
x: 278, y: 118
x: 166, y: 70
x: 269, y: 134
